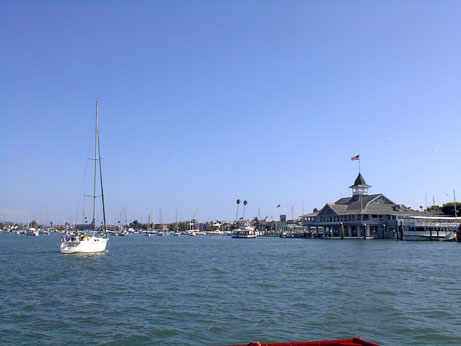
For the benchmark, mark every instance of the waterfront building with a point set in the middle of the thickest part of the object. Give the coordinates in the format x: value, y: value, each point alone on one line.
x: 374, y: 216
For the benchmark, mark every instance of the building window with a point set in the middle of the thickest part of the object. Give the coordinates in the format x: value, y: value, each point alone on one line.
x: 365, y: 217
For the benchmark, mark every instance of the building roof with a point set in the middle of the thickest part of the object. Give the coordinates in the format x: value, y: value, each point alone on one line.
x: 359, y: 182
x: 368, y: 204
x: 376, y: 204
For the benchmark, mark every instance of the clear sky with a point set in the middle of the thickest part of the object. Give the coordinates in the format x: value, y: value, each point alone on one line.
x: 204, y: 102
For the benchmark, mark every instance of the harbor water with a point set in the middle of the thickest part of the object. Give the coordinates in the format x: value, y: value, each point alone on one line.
x: 218, y: 290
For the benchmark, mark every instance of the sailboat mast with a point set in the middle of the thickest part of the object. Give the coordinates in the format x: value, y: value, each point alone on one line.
x: 102, y: 188
x: 95, y: 167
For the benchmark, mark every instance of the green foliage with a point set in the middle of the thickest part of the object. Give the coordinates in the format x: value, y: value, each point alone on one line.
x: 135, y: 224
x: 436, y: 208
x: 449, y: 208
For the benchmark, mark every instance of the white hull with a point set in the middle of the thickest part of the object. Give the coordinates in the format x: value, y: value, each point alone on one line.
x: 451, y: 236
x: 424, y: 235
x: 194, y: 232
x: 244, y: 234
x: 93, y: 244
x: 244, y: 231
x: 214, y: 233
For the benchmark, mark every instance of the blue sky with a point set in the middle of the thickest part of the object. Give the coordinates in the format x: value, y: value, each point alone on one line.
x: 204, y: 102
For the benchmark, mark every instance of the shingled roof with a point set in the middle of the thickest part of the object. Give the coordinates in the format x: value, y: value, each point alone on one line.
x: 359, y: 182
x: 369, y: 204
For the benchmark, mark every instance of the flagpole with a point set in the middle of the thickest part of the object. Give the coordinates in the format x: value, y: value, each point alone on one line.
x: 359, y: 163
x: 361, y: 202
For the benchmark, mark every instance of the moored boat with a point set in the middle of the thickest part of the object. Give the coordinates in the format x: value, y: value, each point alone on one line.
x: 453, y: 234
x: 85, y: 243
x: 244, y: 230
x: 424, y: 235
x: 33, y: 232
x: 92, y: 241
x: 194, y: 232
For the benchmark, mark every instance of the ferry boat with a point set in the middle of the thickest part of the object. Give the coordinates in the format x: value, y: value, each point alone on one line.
x: 421, y: 234
x: 427, y: 227
x: 342, y: 342
x: 244, y: 230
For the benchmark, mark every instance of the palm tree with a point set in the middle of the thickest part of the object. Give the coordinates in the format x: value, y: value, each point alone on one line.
x: 244, y: 205
x: 237, y: 215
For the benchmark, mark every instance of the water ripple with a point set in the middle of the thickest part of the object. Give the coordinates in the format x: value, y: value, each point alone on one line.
x: 216, y: 290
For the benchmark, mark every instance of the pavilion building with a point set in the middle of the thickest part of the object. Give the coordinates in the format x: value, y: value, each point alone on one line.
x: 375, y: 216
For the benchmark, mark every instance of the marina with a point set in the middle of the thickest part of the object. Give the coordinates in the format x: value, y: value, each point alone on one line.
x: 275, y: 173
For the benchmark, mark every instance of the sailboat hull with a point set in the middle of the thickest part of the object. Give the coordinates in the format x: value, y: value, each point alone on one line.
x: 93, y: 244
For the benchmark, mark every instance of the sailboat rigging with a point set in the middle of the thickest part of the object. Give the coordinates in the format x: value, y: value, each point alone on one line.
x: 81, y: 242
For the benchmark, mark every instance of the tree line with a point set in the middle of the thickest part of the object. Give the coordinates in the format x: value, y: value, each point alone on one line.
x: 447, y: 209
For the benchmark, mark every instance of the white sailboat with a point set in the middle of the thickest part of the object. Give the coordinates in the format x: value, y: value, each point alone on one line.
x: 82, y: 242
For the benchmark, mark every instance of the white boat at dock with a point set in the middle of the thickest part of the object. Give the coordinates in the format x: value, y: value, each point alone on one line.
x: 453, y: 234
x: 33, y: 232
x: 425, y: 235
x: 215, y: 232
x: 194, y: 232
x: 244, y: 230
x: 428, y: 227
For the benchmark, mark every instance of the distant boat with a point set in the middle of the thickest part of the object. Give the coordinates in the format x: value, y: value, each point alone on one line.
x: 89, y: 242
x: 244, y: 230
x: 215, y: 232
x: 33, y: 232
x: 194, y: 229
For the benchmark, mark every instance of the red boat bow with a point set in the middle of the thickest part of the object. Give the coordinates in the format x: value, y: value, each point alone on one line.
x: 343, y: 342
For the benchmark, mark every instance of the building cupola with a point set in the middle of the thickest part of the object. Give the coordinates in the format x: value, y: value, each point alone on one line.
x: 360, y: 187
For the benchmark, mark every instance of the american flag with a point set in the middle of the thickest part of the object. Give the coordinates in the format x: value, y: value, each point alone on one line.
x: 356, y: 157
